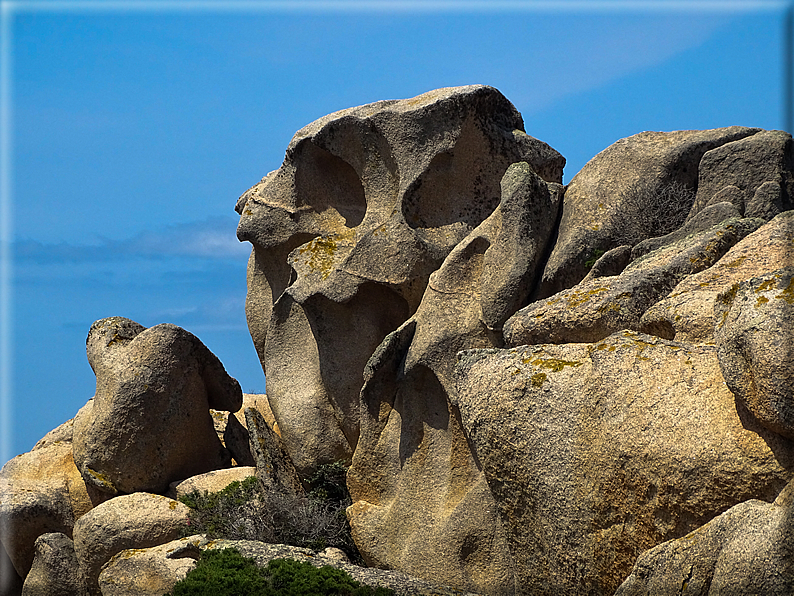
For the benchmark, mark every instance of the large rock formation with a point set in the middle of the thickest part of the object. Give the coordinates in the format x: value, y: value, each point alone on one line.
x: 595, y: 452
x: 746, y: 550
x: 532, y: 384
x: 368, y: 203
x: 639, y: 187
x: 149, y: 422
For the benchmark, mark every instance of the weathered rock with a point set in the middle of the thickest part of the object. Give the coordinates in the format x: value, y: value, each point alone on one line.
x: 210, y: 482
x: 639, y: 187
x: 749, y: 549
x: 149, y: 423
x: 754, y: 332
x: 421, y: 503
x: 42, y: 492
x: 612, y: 262
x: 687, y: 313
x: 592, y: 310
x: 368, y: 203
x: 596, y: 452
x: 150, y: 571
x: 708, y: 218
x: 274, y: 467
x: 55, y: 571
x: 760, y: 167
x: 139, y: 520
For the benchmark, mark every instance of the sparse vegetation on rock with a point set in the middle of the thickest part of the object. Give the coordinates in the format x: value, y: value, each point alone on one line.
x: 248, y: 511
x: 227, y: 573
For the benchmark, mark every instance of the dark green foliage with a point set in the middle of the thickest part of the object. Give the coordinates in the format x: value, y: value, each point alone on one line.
x: 227, y: 573
x: 597, y: 254
x: 246, y: 511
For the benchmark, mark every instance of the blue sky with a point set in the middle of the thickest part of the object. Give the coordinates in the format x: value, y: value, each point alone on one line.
x: 131, y: 128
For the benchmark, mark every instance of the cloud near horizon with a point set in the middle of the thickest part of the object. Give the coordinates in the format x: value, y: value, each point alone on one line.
x: 210, y: 239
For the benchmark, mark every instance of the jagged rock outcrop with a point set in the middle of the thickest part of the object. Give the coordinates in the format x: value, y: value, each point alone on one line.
x: 596, y: 452
x: 687, y: 313
x: 746, y: 550
x: 639, y: 187
x: 600, y: 306
x: 139, y: 520
x: 149, y: 423
x: 413, y: 478
x: 532, y: 384
x: 368, y: 203
x: 755, y: 173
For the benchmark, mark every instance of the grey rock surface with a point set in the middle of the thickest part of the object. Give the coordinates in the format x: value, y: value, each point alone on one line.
x: 274, y: 467
x: 756, y: 172
x: 149, y: 423
x: 636, y: 188
x: 55, y: 570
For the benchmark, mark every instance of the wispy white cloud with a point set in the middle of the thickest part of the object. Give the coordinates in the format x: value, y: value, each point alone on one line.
x: 211, y: 239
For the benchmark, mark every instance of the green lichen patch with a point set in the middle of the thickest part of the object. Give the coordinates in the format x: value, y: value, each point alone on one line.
x: 577, y: 297
x: 554, y: 364
x: 788, y: 293
x: 761, y: 300
x: 538, y: 379
x: 101, y: 481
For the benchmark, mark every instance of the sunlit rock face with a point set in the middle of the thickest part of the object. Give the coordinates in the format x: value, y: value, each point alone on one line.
x: 367, y: 204
x: 347, y: 235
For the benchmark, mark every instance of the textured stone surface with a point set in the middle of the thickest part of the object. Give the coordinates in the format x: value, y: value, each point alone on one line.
x: 687, y: 313
x: 367, y: 204
x: 42, y: 492
x: 150, y: 571
x: 594, y: 309
x: 55, y: 571
x: 754, y: 332
x: 139, y: 520
x: 421, y: 504
x: 210, y: 482
x: 749, y: 549
x: 755, y: 172
x: 274, y: 467
x: 596, y: 452
x: 149, y: 423
x: 620, y: 197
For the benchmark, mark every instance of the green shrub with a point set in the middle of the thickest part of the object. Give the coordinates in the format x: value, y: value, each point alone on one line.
x: 246, y: 511
x: 227, y: 573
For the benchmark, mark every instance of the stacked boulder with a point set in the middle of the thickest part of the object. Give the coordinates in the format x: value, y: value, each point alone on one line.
x: 537, y: 388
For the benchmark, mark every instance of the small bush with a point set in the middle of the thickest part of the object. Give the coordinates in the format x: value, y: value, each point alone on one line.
x: 227, y: 573
x: 246, y: 511
x: 658, y: 210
